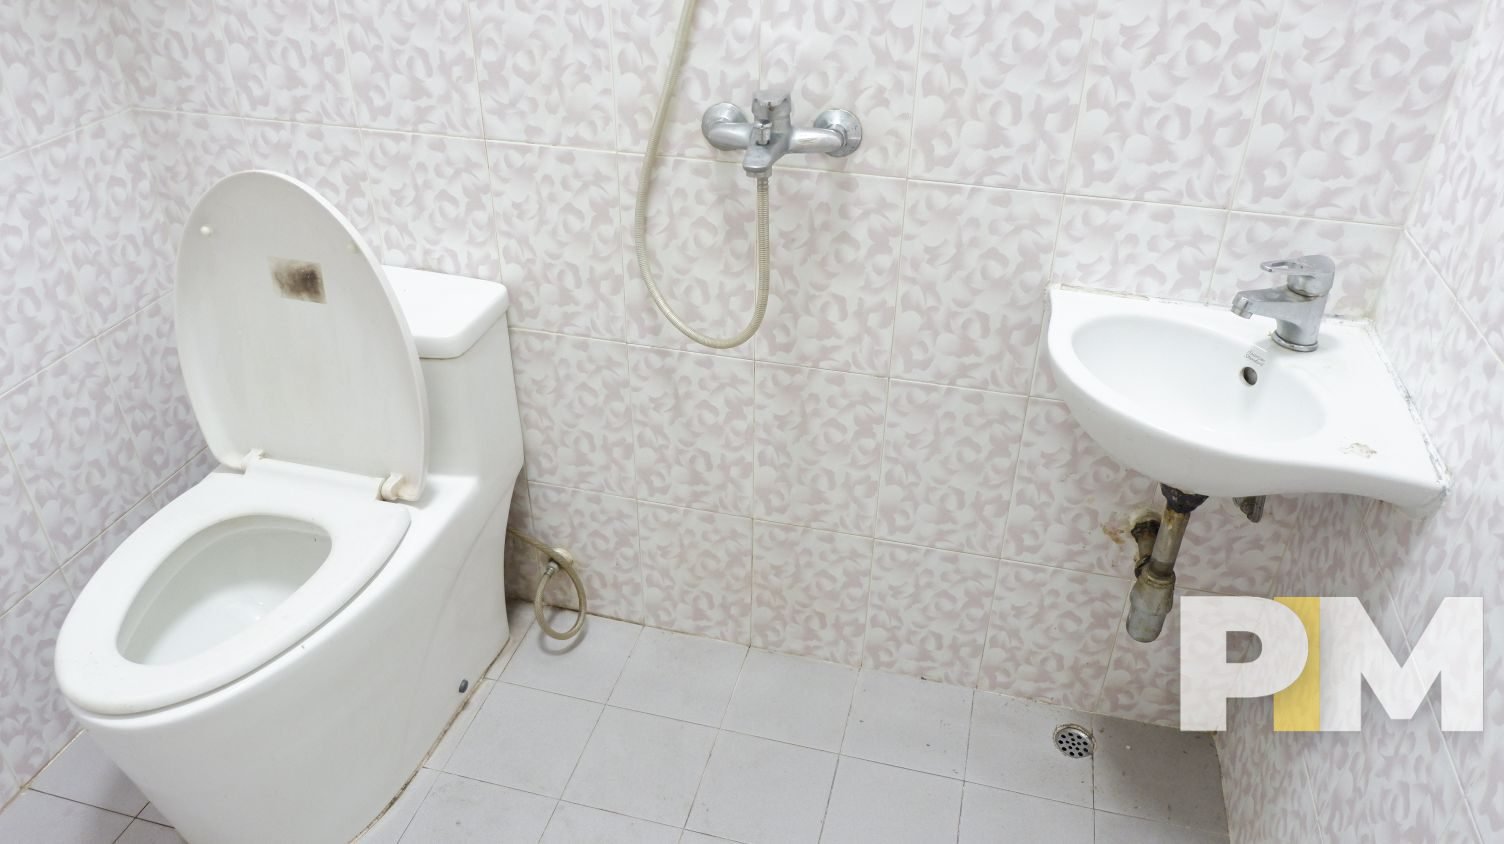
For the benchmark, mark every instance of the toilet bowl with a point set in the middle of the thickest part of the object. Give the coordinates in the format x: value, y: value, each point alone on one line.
x: 273, y: 653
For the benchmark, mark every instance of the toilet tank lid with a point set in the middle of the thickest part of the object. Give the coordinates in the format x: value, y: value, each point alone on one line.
x: 446, y: 313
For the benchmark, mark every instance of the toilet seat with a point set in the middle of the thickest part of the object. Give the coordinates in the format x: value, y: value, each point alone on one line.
x: 362, y: 533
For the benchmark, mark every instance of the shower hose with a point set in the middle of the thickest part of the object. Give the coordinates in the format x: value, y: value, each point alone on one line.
x: 645, y: 186
x: 558, y: 558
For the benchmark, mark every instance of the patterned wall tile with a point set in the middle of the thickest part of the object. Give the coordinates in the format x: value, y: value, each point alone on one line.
x: 721, y: 64
x: 858, y: 55
x: 85, y: 563
x: 1072, y: 504
x: 100, y: 193
x: 1143, y: 680
x: 1051, y: 634
x: 25, y: 557
x: 1135, y: 247
x: 330, y: 159
x: 184, y: 479
x: 176, y: 55
x: 697, y: 571
x: 974, y: 267
x: 12, y: 137
x: 523, y: 563
x: 819, y: 445
x: 187, y: 155
x: 60, y: 65
x: 1458, y: 220
x: 948, y: 461
x: 1264, y: 778
x: 601, y: 532
x: 1223, y: 552
x: 1170, y: 96
x: 1353, y: 100
x: 433, y: 203
x: 412, y: 65
x: 809, y: 591
x: 545, y: 71
x: 576, y: 421
x: 288, y: 60
x: 1362, y: 253
x: 928, y: 611
x: 558, y: 216
x: 142, y: 357
x: 693, y: 420
x: 34, y: 720
x: 73, y: 448
x: 835, y: 240
x: 701, y: 251
x: 999, y: 91
x: 41, y: 314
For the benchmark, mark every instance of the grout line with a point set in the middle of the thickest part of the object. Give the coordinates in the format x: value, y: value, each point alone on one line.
x: 1258, y: 103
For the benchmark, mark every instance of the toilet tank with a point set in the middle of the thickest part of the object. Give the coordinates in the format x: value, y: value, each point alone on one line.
x: 459, y: 326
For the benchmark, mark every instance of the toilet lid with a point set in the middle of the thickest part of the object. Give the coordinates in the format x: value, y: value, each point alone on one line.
x: 291, y: 341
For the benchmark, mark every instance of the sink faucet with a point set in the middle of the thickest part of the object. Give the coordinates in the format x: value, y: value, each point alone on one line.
x: 1298, y: 305
x: 771, y: 133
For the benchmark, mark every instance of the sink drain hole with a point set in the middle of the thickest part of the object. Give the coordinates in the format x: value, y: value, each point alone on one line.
x: 1073, y: 741
x: 1250, y: 375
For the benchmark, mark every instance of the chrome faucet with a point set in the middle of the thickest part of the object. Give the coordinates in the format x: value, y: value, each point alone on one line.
x: 771, y: 133
x: 1298, y: 305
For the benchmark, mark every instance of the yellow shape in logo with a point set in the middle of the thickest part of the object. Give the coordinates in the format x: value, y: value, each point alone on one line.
x: 1297, y: 709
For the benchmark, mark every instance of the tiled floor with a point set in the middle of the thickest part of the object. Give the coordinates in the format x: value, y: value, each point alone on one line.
x: 639, y: 735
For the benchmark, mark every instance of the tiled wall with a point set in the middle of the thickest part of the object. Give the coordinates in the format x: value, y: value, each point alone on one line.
x: 95, y: 431
x: 884, y: 476
x: 1442, y: 320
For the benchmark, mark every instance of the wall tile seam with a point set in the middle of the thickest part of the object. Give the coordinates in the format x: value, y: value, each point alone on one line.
x: 1064, y: 194
x: 52, y: 139
x: 1447, y: 285
x: 1429, y: 165
x: 1253, y: 117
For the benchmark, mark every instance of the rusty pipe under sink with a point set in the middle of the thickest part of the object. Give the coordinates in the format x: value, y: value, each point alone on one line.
x: 1153, y: 593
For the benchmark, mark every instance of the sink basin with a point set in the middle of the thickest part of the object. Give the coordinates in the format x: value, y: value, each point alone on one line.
x: 1200, y: 399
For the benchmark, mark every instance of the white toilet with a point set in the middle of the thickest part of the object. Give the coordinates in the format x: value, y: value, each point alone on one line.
x: 272, y: 654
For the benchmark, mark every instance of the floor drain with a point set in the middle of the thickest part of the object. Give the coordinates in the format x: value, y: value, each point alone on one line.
x: 1073, y: 741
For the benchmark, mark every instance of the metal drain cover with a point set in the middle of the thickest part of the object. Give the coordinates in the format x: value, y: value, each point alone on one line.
x: 1074, y: 741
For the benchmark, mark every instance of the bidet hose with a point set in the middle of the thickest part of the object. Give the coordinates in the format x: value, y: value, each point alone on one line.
x: 645, y: 186
x: 558, y: 560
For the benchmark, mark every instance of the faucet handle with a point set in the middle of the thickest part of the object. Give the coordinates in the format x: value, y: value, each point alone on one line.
x: 1308, y: 275
x: 770, y: 104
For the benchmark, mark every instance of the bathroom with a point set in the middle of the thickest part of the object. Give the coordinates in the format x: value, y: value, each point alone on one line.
x: 908, y: 564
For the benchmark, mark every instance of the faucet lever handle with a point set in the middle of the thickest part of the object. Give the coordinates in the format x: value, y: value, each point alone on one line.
x: 1308, y: 275
x: 769, y: 104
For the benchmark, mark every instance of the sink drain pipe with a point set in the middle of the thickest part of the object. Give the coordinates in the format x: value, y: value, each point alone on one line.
x: 1153, y: 592
x: 558, y: 560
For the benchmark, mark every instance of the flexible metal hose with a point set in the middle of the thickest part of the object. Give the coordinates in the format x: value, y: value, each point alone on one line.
x: 558, y: 560
x: 645, y: 186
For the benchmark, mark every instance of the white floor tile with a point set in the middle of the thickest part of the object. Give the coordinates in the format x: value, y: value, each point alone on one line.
x: 690, y: 837
x: 585, y: 667
x: 1158, y: 773
x: 82, y: 772
x: 1013, y: 747
x: 880, y: 804
x: 1118, y: 829
x: 573, y: 824
x: 146, y: 832
x: 793, y: 699
x: 153, y: 814
x: 909, y: 722
x: 455, y: 732
x: 519, y: 623
x: 525, y: 738
x: 679, y: 676
x: 393, y: 822
x: 38, y: 818
x: 460, y: 811
x: 761, y: 791
x: 641, y: 765
x: 989, y: 815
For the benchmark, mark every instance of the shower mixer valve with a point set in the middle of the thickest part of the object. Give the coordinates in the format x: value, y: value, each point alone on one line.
x: 771, y: 133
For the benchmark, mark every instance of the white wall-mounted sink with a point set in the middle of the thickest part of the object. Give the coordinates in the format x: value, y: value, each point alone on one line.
x: 1200, y: 399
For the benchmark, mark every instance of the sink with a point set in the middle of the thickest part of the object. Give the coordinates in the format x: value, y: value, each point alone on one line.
x: 1199, y: 399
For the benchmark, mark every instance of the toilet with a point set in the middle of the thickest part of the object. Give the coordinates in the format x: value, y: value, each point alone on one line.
x: 271, y: 656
